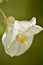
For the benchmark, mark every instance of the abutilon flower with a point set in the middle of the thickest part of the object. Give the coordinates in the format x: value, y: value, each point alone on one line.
x: 18, y: 36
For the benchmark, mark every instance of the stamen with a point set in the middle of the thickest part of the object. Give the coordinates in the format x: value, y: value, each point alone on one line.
x: 22, y: 38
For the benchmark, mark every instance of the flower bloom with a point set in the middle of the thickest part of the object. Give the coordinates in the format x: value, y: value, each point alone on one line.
x: 19, y: 36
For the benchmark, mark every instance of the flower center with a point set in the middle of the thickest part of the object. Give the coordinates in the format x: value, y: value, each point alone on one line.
x: 22, y: 39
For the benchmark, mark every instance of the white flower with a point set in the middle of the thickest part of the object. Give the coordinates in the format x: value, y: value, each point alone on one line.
x: 19, y: 37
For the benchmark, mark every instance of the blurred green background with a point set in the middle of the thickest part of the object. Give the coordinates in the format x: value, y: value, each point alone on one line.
x: 24, y: 10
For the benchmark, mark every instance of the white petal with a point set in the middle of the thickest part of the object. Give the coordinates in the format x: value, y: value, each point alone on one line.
x: 8, y: 40
x: 24, y: 47
x: 14, y: 31
x: 12, y: 49
x: 3, y: 39
x: 24, y: 25
x: 34, y: 30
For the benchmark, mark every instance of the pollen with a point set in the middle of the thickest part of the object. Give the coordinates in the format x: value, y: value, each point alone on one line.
x: 22, y: 38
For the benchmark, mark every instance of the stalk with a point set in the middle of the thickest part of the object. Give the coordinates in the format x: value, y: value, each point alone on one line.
x: 3, y: 13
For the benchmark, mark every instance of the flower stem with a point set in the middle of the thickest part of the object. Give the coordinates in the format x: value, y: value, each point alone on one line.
x: 3, y: 13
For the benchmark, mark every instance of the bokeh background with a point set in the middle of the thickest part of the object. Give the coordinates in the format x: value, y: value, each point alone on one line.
x: 23, y: 10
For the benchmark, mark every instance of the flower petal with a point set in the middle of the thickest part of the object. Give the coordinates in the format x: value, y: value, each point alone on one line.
x: 34, y: 30
x: 24, y: 25
x: 24, y: 47
x: 15, y: 31
x: 12, y: 49
x: 8, y: 40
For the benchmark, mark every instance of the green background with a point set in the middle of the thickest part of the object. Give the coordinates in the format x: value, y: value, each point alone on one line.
x: 21, y: 10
